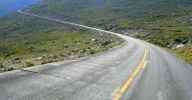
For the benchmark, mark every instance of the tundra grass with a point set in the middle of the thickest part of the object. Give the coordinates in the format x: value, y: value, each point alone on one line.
x: 29, y: 37
x: 166, y: 20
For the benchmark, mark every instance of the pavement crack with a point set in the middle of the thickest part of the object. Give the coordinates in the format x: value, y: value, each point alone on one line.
x: 44, y: 74
x: 28, y: 71
x: 92, y: 82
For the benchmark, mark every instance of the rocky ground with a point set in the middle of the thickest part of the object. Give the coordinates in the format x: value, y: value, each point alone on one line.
x: 104, y: 41
x: 183, y: 49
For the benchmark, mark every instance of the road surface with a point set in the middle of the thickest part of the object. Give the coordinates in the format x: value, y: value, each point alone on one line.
x: 102, y: 76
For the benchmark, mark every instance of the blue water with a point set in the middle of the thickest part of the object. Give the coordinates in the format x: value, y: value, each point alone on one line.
x: 8, y: 6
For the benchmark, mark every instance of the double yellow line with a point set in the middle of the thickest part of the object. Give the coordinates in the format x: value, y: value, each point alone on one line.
x: 142, y: 64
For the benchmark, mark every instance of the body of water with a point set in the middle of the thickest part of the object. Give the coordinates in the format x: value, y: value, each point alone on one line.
x: 8, y: 6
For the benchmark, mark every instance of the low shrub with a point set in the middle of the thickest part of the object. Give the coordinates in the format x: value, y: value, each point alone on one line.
x: 93, y: 51
x: 50, y: 61
x: 178, y: 40
x: 176, y: 30
x: 28, y: 64
x: 186, y: 41
x: 1, y: 63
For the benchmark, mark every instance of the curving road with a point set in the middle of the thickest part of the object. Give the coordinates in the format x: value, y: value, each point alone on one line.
x: 103, y: 76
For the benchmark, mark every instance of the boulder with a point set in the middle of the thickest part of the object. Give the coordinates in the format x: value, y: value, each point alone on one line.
x: 16, y: 60
x: 83, y: 51
x: 175, y: 45
x: 55, y: 57
x: 62, y: 55
x: 101, y: 35
x: 10, y: 69
x: 44, y: 50
x: 172, y: 44
x: 89, y: 48
x: 179, y: 46
x: 54, y: 41
x: 106, y: 43
x: 66, y: 46
x: 75, y: 50
x: 94, y: 40
x: 86, y: 42
x: 71, y: 54
x: 108, y: 28
x: 190, y: 41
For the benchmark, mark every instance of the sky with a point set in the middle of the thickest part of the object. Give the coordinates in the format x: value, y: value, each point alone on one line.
x: 99, y: 1
x: 8, y: 6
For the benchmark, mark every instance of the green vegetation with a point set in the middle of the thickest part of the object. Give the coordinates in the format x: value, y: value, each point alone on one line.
x: 166, y: 20
x: 2, y: 66
x: 184, y: 53
x: 1, y: 63
x: 160, y: 22
x: 93, y: 51
x: 30, y: 38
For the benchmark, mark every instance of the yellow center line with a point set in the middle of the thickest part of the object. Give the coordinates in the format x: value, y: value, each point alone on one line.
x: 144, y: 65
x: 127, y: 84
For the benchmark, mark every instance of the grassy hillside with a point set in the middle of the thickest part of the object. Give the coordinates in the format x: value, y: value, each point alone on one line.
x: 122, y: 12
x: 26, y: 36
x: 27, y: 41
x: 168, y: 19
x: 160, y: 22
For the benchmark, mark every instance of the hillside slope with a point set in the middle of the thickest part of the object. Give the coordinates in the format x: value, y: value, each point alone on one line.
x: 160, y: 22
x: 122, y: 14
x: 166, y: 23
x: 27, y: 40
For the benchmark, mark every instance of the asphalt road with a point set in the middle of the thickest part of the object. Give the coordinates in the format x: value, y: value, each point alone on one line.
x: 165, y: 77
x: 103, y: 75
